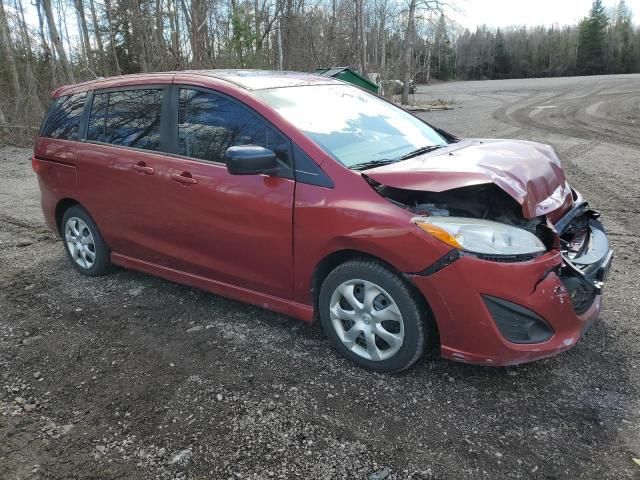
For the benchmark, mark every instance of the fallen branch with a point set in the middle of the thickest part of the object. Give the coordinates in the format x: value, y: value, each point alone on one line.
x: 427, y: 108
x: 26, y: 127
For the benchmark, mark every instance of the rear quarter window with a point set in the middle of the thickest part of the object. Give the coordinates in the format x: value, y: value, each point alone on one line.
x: 64, y: 117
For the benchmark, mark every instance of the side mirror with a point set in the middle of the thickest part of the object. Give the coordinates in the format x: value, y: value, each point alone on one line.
x: 250, y: 160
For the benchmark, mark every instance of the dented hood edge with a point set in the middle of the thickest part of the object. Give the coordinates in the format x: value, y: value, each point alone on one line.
x: 529, y: 172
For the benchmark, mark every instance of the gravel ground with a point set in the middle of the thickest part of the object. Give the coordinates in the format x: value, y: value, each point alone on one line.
x: 130, y: 376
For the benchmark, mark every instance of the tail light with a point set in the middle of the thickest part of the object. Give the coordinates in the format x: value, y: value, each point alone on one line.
x: 35, y: 164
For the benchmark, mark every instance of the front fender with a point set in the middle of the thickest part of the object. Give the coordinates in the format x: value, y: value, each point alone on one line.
x: 375, y: 227
x: 404, y: 248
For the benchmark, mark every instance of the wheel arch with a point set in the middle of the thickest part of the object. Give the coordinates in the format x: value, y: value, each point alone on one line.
x: 334, y: 259
x: 62, y: 206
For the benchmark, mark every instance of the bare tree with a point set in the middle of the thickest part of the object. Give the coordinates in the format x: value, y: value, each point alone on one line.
x: 7, y: 50
x: 97, y: 36
x: 29, y: 60
x: 197, y: 18
x: 174, y: 25
x: 57, y: 42
x: 82, y: 21
x: 43, y: 38
x: 361, y: 36
x: 408, y: 51
x: 112, y: 40
x: 279, y: 33
x: 138, y: 32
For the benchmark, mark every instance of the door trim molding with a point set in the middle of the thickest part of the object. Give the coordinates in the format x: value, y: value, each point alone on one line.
x: 269, y: 302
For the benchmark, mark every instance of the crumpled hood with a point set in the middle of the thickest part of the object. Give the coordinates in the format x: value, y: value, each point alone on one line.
x: 529, y: 172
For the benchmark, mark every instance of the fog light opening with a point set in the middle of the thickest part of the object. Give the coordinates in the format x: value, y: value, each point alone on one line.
x: 516, y: 323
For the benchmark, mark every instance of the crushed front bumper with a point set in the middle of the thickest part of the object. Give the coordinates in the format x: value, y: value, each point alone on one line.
x: 585, y: 271
x: 494, y: 313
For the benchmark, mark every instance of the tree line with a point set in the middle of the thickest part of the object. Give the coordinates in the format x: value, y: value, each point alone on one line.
x: 602, y: 43
x: 48, y: 43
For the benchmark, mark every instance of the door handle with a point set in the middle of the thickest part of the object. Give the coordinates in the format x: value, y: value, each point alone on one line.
x: 184, y: 177
x: 142, y: 167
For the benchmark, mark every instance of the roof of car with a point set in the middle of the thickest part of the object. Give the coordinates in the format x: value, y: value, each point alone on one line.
x: 261, y: 79
x: 247, y: 79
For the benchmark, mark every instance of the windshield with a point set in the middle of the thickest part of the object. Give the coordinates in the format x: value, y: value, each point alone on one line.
x: 353, y: 126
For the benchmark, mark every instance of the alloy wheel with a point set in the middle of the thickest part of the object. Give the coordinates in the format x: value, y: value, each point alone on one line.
x: 80, y: 242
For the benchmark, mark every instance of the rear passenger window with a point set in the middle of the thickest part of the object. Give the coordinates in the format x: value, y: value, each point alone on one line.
x: 63, y: 120
x: 130, y: 118
x: 209, y: 123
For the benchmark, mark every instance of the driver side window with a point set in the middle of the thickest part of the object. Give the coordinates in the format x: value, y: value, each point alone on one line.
x: 209, y: 123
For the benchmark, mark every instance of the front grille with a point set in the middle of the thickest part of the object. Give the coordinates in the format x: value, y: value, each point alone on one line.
x: 508, y: 258
x: 576, y: 244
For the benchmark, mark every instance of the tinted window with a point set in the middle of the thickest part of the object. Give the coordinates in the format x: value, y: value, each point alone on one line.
x: 95, y: 129
x: 64, y: 117
x: 209, y: 123
x: 279, y: 144
x: 130, y: 118
x: 133, y: 118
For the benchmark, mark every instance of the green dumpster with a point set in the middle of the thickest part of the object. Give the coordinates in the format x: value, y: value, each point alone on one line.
x: 348, y: 75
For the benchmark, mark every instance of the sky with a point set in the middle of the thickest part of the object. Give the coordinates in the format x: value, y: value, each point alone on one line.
x: 502, y: 13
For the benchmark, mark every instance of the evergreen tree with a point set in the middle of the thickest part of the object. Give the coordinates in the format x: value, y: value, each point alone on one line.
x: 442, y: 59
x: 621, y: 49
x: 592, y: 41
x: 501, y: 57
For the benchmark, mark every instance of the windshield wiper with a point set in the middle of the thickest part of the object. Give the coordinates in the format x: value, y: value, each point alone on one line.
x: 386, y: 161
x: 371, y: 164
x: 419, y: 151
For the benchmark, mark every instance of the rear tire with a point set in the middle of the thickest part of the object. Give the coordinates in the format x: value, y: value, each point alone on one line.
x: 372, y: 317
x: 84, y: 244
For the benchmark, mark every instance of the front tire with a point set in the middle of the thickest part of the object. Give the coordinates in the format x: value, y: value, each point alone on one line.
x: 372, y: 317
x: 84, y: 244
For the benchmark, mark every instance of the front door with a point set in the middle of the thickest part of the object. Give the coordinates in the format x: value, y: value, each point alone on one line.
x: 234, y: 229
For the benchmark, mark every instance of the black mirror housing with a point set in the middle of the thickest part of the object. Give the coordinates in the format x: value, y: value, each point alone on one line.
x: 250, y: 160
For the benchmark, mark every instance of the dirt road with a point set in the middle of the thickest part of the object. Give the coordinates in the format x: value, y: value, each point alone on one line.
x: 129, y: 376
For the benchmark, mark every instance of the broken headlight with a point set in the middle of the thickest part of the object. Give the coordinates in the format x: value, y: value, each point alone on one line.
x: 484, y: 237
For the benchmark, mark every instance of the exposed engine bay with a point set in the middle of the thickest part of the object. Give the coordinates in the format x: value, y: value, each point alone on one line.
x: 578, y: 234
x: 485, y: 201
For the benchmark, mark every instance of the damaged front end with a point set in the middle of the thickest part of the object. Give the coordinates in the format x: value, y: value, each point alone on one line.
x: 527, y: 259
x: 576, y: 233
x: 484, y: 202
x: 586, y: 255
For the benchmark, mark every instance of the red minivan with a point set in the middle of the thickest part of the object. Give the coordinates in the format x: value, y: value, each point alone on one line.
x: 311, y: 197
